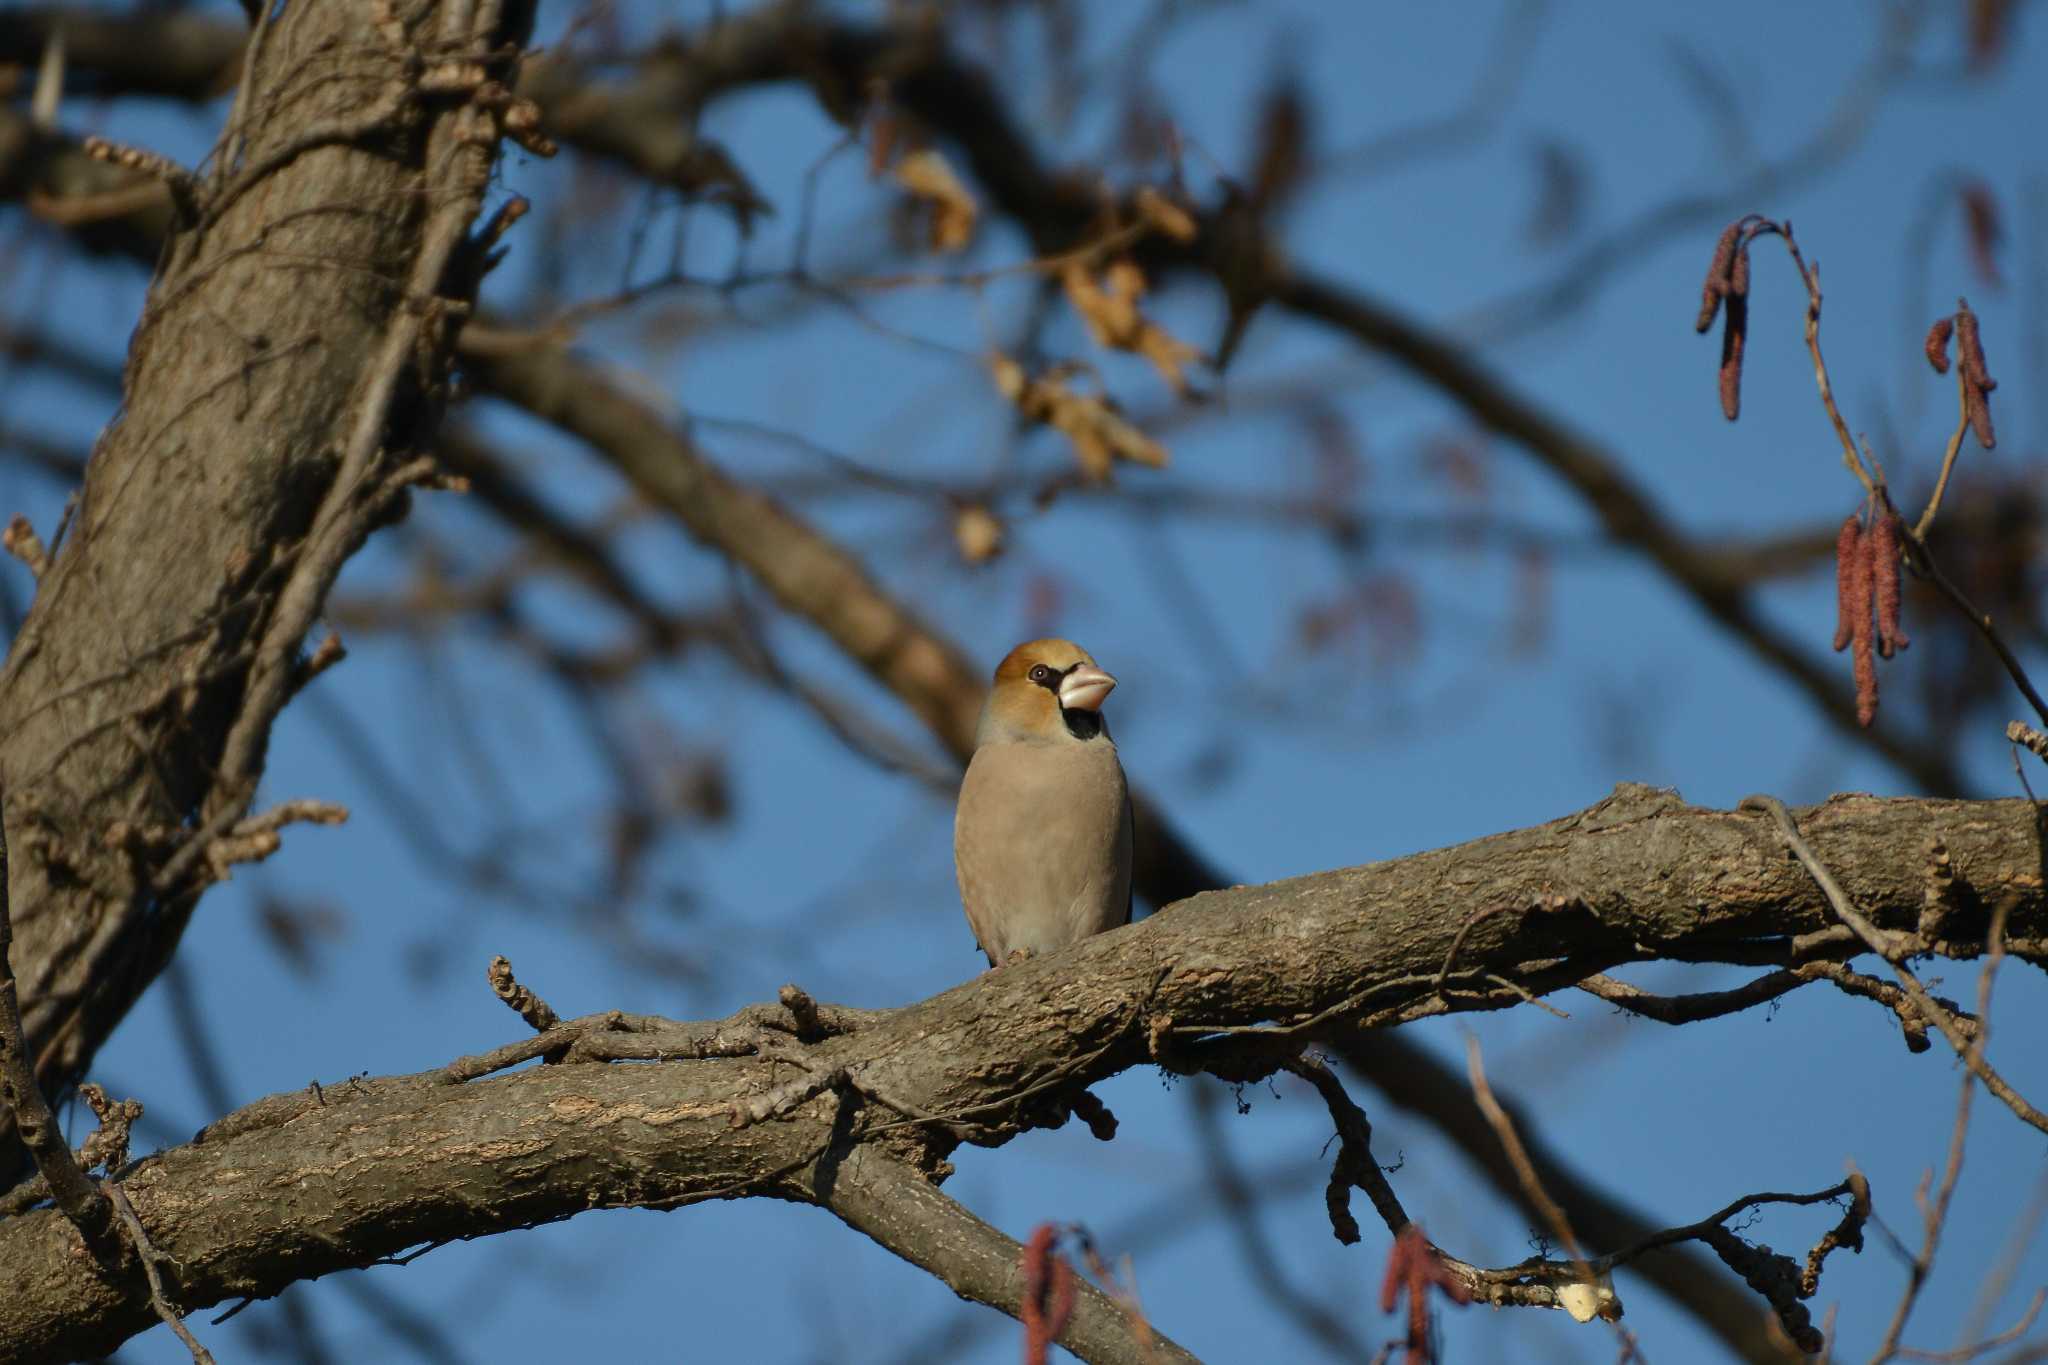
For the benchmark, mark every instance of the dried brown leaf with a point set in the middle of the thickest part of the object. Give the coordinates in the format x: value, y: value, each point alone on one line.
x: 1110, y: 308
x: 954, y: 212
x: 1099, y: 434
x: 978, y: 533
x: 1163, y: 215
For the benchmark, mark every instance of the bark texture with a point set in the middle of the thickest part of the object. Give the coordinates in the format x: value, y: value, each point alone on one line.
x: 285, y: 370
x: 1231, y: 982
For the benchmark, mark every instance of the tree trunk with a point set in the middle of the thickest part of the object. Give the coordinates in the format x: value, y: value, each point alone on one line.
x: 286, y: 371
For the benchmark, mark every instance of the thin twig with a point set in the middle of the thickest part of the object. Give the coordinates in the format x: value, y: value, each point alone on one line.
x: 1876, y: 941
x: 520, y: 999
x: 1936, y: 1213
x: 1354, y: 1165
x: 1948, y: 456
x: 1809, y: 275
x: 1923, y: 561
x: 1518, y: 1156
x: 159, y: 1299
x: 1989, y: 1344
x: 1691, y: 1009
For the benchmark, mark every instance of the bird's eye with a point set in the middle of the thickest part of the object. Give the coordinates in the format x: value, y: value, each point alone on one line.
x: 1041, y: 675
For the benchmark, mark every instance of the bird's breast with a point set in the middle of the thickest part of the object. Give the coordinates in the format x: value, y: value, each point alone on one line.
x: 1041, y: 841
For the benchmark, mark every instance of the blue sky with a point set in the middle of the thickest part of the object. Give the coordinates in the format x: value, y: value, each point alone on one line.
x: 837, y: 875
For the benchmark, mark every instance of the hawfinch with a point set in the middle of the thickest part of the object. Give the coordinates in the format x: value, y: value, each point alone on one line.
x: 1042, y: 834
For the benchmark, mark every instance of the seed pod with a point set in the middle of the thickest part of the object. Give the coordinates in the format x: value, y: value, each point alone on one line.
x: 1734, y: 336
x: 1848, y: 553
x: 1937, y: 343
x: 1885, y: 535
x: 1718, y: 270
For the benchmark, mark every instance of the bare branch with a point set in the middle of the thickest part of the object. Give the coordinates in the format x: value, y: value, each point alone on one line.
x: 539, y: 1016
x: 1344, y: 948
x: 889, y: 1202
x: 1892, y: 948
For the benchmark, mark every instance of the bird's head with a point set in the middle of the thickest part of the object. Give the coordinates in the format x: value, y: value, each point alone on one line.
x: 1047, y: 689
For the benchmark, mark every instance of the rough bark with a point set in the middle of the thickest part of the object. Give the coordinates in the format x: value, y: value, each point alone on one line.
x: 1229, y: 981
x: 285, y: 368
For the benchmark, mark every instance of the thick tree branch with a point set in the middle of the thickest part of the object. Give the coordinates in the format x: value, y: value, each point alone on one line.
x: 301, y: 1184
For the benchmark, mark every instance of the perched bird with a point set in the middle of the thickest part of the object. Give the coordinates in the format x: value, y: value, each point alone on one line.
x: 1042, y: 834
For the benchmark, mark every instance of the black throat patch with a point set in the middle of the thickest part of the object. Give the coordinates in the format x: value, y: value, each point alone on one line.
x: 1082, y: 724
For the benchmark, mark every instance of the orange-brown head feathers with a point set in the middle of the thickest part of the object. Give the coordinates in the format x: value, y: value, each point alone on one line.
x: 1046, y: 690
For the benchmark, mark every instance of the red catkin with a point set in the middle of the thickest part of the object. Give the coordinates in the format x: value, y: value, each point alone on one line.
x: 1413, y: 1266
x: 1866, y: 681
x: 1982, y: 230
x: 1848, y: 551
x: 1397, y: 1275
x: 1978, y: 409
x: 1049, y: 1292
x: 1718, y: 270
x: 1978, y: 382
x: 1970, y: 349
x: 1734, y: 337
x: 1037, y: 1265
x: 1884, y: 572
x: 1061, y: 1307
x: 1937, y: 343
x: 1862, y: 637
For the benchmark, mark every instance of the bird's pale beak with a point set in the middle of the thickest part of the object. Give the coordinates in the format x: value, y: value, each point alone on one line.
x: 1084, y: 688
